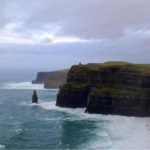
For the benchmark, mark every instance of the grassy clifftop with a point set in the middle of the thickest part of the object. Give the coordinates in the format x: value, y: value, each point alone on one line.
x: 108, y: 88
x: 142, y: 68
x: 110, y: 74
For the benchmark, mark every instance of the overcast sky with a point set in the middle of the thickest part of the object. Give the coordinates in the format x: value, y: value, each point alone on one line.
x: 54, y: 34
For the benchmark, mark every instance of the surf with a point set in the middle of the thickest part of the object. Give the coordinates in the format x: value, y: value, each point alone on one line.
x: 21, y: 85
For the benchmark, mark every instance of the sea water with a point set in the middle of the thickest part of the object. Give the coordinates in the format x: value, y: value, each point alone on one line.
x: 24, y: 125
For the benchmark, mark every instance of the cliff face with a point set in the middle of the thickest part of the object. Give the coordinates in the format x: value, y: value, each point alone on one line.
x: 41, y: 77
x: 121, y: 101
x: 51, y: 79
x: 72, y: 96
x: 109, y: 88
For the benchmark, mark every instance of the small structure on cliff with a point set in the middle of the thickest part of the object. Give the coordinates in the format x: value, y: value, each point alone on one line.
x: 34, y: 97
x: 111, y: 88
x: 80, y: 63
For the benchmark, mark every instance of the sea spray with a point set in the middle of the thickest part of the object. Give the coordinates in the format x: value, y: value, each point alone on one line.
x: 57, y: 125
x: 113, y: 132
x: 21, y: 85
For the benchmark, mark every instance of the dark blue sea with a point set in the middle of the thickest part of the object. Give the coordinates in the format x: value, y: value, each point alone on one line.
x: 24, y: 125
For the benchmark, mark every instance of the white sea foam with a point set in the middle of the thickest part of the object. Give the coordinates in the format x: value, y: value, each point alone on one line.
x: 112, y: 132
x: 116, y: 132
x: 52, y: 106
x: 21, y: 85
x: 129, y: 133
x: 2, y: 146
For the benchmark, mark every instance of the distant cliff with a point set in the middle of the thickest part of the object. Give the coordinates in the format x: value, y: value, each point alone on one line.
x: 109, y: 88
x: 51, y: 79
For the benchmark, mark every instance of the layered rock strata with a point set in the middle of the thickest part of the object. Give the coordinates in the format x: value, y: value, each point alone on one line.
x: 109, y: 88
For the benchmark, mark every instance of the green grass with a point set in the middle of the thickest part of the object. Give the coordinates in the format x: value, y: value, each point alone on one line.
x: 116, y: 63
x: 73, y: 86
x: 120, y: 91
x: 107, y: 90
x: 141, y: 68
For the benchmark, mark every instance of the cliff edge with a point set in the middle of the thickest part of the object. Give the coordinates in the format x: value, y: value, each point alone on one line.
x: 109, y: 88
x: 51, y: 79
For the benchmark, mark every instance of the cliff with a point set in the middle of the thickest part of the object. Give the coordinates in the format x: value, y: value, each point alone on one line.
x: 110, y: 88
x: 51, y: 79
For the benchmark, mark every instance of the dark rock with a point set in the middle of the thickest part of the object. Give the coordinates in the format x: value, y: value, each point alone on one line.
x: 51, y: 79
x: 72, y: 97
x: 109, y: 88
x: 34, y: 97
x: 123, y: 102
x: 41, y: 77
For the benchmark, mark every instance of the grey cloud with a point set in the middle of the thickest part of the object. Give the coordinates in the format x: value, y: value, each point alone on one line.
x: 58, y: 56
x: 122, y: 26
x: 91, y: 19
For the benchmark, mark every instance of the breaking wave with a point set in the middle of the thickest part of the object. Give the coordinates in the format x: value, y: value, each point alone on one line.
x: 113, y: 132
x: 2, y: 146
x: 21, y: 85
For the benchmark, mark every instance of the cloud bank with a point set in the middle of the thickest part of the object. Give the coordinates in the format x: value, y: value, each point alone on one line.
x: 70, y: 31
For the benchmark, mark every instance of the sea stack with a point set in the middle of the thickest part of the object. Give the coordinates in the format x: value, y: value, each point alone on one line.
x: 34, y: 97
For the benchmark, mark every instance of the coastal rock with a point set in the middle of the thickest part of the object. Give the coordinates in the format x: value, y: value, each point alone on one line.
x: 109, y: 88
x: 72, y: 96
x: 51, y: 79
x: 41, y: 77
x: 34, y: 97
x: 119, y: 101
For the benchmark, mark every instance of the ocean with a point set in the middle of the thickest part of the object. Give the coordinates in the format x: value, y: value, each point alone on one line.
x: 24, y: 125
